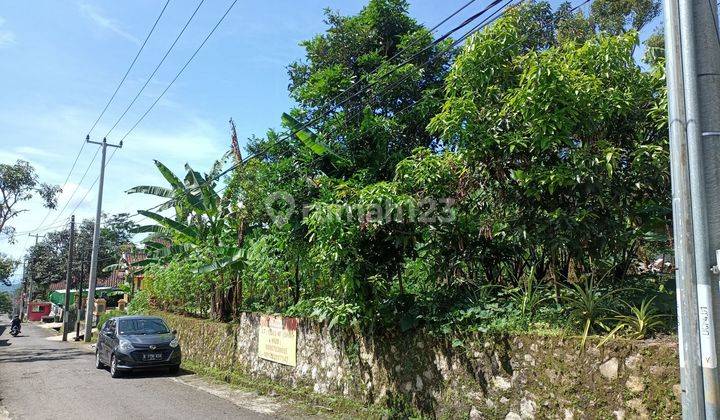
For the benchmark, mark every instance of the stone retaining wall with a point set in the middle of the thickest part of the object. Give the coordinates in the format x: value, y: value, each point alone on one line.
x: 508, y: 377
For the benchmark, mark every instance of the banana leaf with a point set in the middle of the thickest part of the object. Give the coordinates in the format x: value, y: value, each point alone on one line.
x: 188, y: 233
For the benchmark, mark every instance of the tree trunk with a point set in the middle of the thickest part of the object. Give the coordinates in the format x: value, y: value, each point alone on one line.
x: 297, y: 279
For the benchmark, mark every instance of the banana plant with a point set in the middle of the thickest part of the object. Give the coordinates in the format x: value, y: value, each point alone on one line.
x: 199, y: 223
x: 314, y: 142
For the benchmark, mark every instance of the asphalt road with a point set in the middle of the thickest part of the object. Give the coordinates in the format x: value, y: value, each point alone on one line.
x: 53, y: 380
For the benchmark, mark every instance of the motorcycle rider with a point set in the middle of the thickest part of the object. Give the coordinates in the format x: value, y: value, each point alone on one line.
x: 15, y: 323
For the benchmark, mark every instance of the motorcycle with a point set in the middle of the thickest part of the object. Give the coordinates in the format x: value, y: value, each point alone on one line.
x: 14, y: 331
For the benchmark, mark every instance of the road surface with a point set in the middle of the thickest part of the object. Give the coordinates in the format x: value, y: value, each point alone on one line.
x: 42, y: 379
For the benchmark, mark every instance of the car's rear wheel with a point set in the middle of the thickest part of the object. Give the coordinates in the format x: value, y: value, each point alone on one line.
x: 98, y: 363
x: 114, y: 371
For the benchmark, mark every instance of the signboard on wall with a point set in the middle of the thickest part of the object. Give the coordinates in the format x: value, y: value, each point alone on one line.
x: 277, y: 339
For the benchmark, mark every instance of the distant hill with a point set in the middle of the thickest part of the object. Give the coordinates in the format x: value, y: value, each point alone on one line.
x: 10, y: 288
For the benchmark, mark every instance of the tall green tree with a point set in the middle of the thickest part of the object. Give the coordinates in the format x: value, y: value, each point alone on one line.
x: 19, y: 183
x: 567, y: 143
x: 540, y: 147
x: 6, y: 305
x: 47, y: 261
x: 8, y: 266
x: 378, y: 110
x: 618, y: 16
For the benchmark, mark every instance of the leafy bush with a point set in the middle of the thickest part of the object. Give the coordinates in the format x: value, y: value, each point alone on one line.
x: 326, y: 309
x: 140, y: 304
x: 642, y: 321
x: 524, y: 163
x: 590, y: 307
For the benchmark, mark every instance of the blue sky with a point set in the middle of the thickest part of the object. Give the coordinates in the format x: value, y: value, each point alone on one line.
x: 60, y: 62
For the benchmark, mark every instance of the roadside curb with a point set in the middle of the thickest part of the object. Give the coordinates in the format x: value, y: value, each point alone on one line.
x: 57, y: 336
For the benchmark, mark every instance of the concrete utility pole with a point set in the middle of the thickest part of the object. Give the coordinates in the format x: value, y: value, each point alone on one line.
x: 693, y: 58
x: 68, y: 277
x: 96, y: 241
x: 78, y: 287
x: 30, y: 286
x: 23, y: 293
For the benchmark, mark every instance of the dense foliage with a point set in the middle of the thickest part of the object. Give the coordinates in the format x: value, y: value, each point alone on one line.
x: 517, y: 182
x: 47, y: 261
x: 7, y: 268
x: 19, y: 183
x: 6, y: 303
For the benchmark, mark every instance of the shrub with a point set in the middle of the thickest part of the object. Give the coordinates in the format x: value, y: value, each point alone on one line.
x: 140, y: 303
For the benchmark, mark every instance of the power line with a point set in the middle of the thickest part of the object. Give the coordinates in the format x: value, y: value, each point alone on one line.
x: 112, y: 97
x: 26, y: 232
x: 67, y: 178
x: 187, y: 63
x: 329, y: 109
x: 490, y: 19
x: 87, y: 169
x: 442, y: 22
x: 97, y: 178
x: 579, y: 5
x: 132, y: 64
x: 172, y: 46
x: 376, y: 81
x: 477, y: 27
x: 715, y: 23
x: 330, y: 104
x: 167, y: 53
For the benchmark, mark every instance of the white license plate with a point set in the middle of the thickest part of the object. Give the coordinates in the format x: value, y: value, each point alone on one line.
x: 152, y: 356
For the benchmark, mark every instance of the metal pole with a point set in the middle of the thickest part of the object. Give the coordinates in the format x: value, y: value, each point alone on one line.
x: 707, y: 44
x: 68, y: 277
x: 96, y: 243
x: 23, y: 293
x: 691, y: 379
x: 696, y: 158
x: 30, y: 285
x: 79, y: 299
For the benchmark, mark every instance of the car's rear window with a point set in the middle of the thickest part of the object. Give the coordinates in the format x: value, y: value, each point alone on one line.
x: 142, y: 326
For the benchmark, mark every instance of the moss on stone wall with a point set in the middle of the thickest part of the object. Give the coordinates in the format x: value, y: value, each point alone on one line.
x: 488, y: 377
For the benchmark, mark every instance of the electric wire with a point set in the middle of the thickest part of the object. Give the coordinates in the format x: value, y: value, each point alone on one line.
x: 377, y: 80
x: 75, y: 190
x: 187, y: 63
x: 157, y: 67
x: 715, y: 23
x: 306, y: 125
x: 476, y: 28
x: 580, y: 5
x: 435, y: 42
x: 95, y: 181
x: 112, y: 97
x: 132, y: 64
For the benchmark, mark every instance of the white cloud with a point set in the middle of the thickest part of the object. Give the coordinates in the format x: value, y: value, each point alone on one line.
x: 77, y: 192
x: 174, y: 136
x: 32, y: 151
x: 197, y: 142
x: 106, y: 23
x: 7, y: 37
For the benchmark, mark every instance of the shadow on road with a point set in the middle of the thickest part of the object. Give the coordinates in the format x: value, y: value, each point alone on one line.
x: 153, y: 373
x: 5, y: 343
x: 40, y: 355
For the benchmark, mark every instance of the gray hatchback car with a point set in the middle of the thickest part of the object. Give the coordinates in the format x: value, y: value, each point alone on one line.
x: 137, y: 342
